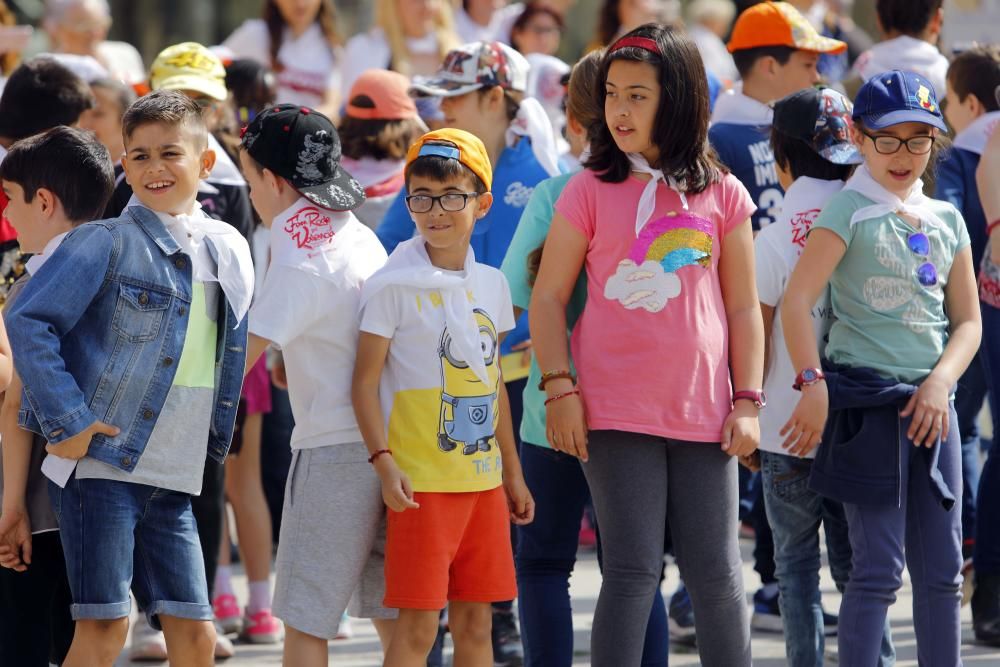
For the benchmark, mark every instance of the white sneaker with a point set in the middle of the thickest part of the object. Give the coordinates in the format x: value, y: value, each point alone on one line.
x: 223, y: 646
x: 148, y: 644
x: 345, y: 630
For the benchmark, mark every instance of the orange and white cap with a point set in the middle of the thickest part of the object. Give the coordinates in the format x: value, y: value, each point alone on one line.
x: 779, y: 24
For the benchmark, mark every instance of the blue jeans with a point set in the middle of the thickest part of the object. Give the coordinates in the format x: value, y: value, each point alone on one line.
x: 545, y: 556
x: 116, y: 535
x: 986, y: 554
x: 968, y: 404
x: 930, y: 539
x: 795, y: 513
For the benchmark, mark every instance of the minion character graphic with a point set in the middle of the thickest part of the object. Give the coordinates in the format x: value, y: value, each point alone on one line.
x: 468, y: 407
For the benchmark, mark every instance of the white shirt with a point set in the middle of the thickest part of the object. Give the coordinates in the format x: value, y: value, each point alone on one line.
x: 310, y: 67
x: 713, y: 51
x: 905, y: 53
x: 371, y: 50
x: 498, y: 29
x: 308, y: 306
x: 777, y: 249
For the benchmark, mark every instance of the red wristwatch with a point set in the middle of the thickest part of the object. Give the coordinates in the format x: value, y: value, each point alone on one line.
x: 808, y: 376
x: 758, y: 397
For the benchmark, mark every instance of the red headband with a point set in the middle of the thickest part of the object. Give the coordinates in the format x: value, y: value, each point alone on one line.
x: 644, y: 43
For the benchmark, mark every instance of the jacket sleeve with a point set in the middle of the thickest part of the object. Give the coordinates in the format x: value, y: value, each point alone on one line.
x: 950, y: 183
x: 51, y: 304
x: 397, y: 226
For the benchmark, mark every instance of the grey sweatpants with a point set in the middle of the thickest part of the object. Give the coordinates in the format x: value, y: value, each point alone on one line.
x: 638, y: 481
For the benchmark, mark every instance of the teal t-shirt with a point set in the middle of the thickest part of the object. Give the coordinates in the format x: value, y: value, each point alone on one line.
x: 531, y: 232
x: 886, y: 319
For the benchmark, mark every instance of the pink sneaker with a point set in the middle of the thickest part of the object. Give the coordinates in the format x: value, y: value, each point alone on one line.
x: 261, y: 628
x: 227, y: 613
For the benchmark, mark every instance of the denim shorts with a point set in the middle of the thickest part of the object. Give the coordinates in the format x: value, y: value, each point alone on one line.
x: 118, y: 535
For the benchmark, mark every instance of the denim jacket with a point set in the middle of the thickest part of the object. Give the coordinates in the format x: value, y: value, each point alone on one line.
x: 98, y: 335
x: 858, y: 460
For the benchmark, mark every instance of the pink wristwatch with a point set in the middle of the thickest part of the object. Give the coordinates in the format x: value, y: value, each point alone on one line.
x: 758, y: 397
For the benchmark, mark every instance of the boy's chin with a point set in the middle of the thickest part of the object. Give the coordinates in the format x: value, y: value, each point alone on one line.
x: 170, y: 205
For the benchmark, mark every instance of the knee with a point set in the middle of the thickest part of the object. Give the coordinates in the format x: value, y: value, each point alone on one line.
x: 416, y: 634
x: 104, y: 638
x: 472, y: 625
x: 198, y: 636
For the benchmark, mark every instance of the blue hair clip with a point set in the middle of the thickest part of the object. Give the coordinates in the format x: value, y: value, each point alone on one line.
x: 450, y: 152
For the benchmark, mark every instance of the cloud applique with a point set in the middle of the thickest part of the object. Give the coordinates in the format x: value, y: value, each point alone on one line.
x: 645, y: 286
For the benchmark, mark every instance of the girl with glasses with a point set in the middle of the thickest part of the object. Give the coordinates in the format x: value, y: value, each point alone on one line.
x: 881, y: 406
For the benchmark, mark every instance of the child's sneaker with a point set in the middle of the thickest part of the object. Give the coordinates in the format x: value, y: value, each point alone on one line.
x: 680, y: 618
x: 261, y: 628
x: 148, y: 644
x: 766, y: 614
x: 345, y: 630
x: 224, y: 648
x: 507, y: 650
x: 227, y: 613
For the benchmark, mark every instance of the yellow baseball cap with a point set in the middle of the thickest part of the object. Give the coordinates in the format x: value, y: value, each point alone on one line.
x: 458, y: 145
x: 189, y: 66
x: 779, y: 24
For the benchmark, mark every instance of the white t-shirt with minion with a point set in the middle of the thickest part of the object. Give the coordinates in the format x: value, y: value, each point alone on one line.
x: 441, y: 418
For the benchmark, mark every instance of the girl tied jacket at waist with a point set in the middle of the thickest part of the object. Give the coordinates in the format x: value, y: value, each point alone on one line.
x: 858, y: 460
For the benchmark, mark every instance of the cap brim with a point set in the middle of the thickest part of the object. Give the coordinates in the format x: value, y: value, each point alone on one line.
x: 442, y: 87
x: 842, y: 152
x: 903, y: 116
x: 341, y: 193
x: 820, y: 44
x: 214, y: 89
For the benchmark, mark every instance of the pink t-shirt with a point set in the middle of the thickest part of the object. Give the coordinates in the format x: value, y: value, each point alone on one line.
x: 651, y: 347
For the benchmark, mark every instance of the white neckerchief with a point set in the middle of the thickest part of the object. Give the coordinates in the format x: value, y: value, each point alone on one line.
x: 218, y: 253
x: 735, y: 108
x: 532, y: 122
x: 368, y: 171
x: 974, y: 137
x: 36, y: 261
x: 303, y: 237
x: 409, y: 265
x: 914, y: 204
x: 647, y: 202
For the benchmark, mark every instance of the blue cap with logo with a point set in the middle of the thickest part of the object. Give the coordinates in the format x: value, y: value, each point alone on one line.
x: 895, y: 97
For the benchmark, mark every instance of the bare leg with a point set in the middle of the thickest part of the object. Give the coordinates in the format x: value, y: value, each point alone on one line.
x: 246, y: 494
x: 384, y: 627
x: 304, y: 650
x: 413, y: 638
x: 470, y: 624
x: 190, y: 643
x: 97, y: 643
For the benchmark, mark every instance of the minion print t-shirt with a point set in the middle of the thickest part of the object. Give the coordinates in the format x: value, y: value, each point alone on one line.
x: 441, y: 418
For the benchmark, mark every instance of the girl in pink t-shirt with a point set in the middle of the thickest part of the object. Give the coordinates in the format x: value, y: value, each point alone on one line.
x: 672, y: 324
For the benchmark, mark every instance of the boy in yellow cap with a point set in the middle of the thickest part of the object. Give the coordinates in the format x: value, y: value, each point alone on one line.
x: 434, y: 412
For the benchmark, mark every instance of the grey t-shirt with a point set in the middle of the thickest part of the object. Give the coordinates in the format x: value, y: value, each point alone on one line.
x: 40, y: 513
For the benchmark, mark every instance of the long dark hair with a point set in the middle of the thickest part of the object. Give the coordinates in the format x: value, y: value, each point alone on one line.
x: 680, y: 128
x: 327, y: 19
x: 608, y: 24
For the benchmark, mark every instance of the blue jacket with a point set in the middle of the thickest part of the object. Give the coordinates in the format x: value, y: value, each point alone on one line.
x: 746, y: 151
x: 956, y: 183
x: 98, y: 335
x: 515, y: 176
x: 858, y: 460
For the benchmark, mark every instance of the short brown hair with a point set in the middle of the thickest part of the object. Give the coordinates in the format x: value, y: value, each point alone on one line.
x: 375, y: 138
x: 976, y: 72
x: 163, y: 106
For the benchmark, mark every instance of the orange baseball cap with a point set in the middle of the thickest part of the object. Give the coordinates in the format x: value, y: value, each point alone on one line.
x: 388, y: 91
x: 454, y: 144
x: 779, y: 24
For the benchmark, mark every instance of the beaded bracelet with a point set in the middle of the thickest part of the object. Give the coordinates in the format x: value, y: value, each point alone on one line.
x: 555, y: 375
x: 371, y: 459
x: 563, y: 395
x: 993, y: 225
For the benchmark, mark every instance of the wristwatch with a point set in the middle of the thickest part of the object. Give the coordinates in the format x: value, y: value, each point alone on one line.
x: 808, y: 376
x: 758, y: 397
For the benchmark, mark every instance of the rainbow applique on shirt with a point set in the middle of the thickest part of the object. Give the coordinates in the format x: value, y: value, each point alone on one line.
x: 647, y: 278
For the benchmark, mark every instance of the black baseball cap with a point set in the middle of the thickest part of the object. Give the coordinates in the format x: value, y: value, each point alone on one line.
x: 302, y: 146
x: 821, y: 117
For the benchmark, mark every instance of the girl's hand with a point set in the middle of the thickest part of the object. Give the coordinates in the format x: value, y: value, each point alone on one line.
x: 930, y: 408
x: 741, y: 431
x: 805, y: 427
x: 519, y: 500
x: 15, y: 538
x: 397, y: 492
x: 566, y: 424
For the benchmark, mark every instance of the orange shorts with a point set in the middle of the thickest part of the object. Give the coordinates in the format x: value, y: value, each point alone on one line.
x: 455, y: 548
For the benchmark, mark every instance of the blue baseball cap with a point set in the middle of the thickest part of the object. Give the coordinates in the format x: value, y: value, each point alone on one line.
x: 897, y: 97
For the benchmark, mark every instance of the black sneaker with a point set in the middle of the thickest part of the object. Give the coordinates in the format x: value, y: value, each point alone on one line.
x: 830, y: 623
x: 766, y: 613
x: 680, y: 618
x: 507, y: 650
x: 986, y: 610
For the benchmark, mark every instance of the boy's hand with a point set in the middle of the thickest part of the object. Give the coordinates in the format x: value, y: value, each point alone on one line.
x: 930, y: 409
x: 519, y: 500
x: 751, y: 462
x: 805, y: 427
x: 15, y: 538
x: 741, y: 431
x: 76, y: 447
x: 397, y: 493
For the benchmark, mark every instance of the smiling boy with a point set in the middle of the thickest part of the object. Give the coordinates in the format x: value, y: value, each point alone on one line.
x: 131, y: 346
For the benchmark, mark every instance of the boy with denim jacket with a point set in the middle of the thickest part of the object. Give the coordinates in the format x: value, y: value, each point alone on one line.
x: 131, y: 347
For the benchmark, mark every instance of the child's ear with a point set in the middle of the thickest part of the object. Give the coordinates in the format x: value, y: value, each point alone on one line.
x: 483, y: 204
x: 274, y: 182
x: 857, y: 137
x: 47, y: 202
x: 207, y: 160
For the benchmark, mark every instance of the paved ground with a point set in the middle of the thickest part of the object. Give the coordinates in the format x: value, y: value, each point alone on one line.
x: 768, y: 649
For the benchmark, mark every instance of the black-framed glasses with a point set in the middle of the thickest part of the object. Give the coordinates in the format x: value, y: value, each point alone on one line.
x: 887, y: 144
x: 920, y: 246
x: 451, y: 202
